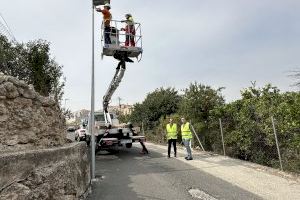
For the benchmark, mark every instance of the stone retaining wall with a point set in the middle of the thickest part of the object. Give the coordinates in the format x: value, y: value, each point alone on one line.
x: 58, y: 173
x: 28, y: 119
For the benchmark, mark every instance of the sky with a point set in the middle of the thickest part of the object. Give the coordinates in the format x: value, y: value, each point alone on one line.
x: 213, y: 42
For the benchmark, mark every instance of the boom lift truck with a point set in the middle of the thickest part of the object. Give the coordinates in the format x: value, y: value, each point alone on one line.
x: 109, y: 134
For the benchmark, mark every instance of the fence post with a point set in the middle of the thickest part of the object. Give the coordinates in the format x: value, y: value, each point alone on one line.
x: 143, y: 128
x: 221, y: 128
x: 197, y: 137
x: 276, y: 140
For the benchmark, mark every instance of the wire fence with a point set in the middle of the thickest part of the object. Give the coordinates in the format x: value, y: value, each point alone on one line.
x: 265, y: 141
x: 261, y: 143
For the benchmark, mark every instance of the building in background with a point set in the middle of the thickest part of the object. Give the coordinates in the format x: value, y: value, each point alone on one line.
x: 78, y: 117
x: 123, y: 109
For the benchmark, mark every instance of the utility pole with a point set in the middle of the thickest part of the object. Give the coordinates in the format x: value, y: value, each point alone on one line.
x: 119, y: 99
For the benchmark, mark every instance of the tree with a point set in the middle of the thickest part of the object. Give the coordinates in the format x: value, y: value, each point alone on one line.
x: 32, y: 63
x: 247, y: 126
x: 161, y: 102
x: 197, y: 104
x: 198, y: 100
x: 296, y: 74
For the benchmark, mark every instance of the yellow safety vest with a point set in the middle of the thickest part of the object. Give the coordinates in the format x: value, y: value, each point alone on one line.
x: 185, y: 131
x: 171, y: 131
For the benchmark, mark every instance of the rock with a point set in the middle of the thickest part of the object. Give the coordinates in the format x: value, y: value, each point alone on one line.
x: 43, y: 191
x: 3, y: 113
x: 31, y: 87
x: 23, y: 84
x: 11, y: 142
x: 15, y: 192
x: 46, y: 101
x: 69, y: 197
x: 27, y: 137
x: 20, y: 103
x: 3, y: 118
x: 12, y: 91
x: 2, y: 90
x: 3, y: 78
x: 21, y: 91
x: 29, y: 93
x: 13, y: 80
x: 17, y: 82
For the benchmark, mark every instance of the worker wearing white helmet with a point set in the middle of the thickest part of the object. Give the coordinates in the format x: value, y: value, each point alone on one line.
x: 106, y: 20
x: 129, y: 30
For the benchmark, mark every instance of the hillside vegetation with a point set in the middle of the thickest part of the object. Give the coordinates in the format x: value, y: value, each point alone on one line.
x: 247, y: 126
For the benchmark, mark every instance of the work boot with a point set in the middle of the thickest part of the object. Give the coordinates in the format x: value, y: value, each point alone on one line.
x: 189, y: 158
x: 175, y: 155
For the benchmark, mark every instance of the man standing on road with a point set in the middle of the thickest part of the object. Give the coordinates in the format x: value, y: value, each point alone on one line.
x: 171, y: 136
x: 186, y: 138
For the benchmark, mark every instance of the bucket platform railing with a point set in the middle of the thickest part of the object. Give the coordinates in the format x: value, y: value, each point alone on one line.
x: 118, y: 39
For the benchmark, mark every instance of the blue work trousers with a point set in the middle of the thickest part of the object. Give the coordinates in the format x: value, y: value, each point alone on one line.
x: 107, y: 31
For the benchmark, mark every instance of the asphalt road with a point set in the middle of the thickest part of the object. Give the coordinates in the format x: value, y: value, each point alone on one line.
x: 131, y: 175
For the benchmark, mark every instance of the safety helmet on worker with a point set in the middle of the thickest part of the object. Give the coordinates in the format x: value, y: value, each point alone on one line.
x: 107, y: 5
x: 128, y: 15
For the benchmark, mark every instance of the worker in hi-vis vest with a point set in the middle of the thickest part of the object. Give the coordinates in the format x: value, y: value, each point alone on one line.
x: 171, y: 136
x: 186, y: 135
x: 129, y: 30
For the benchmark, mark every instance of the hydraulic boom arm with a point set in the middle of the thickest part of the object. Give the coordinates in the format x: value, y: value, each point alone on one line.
x: 120, y: 70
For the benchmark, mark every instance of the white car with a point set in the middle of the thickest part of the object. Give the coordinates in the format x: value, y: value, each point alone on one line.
x: 80, y: 134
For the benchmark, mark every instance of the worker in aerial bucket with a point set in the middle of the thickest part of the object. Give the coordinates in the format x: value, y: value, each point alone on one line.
x: 106, y: 21
x: 129, y: 30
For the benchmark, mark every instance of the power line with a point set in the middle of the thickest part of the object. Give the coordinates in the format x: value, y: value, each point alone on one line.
x: 5, y: 30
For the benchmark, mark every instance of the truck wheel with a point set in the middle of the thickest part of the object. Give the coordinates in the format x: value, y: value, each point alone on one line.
x: 128, y: 145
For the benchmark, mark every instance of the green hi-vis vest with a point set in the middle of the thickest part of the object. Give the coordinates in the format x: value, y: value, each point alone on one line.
x: 185, y: 131
x: 171, y: 131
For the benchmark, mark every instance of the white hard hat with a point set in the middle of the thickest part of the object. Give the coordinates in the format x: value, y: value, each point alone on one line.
x: 107, y: 5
